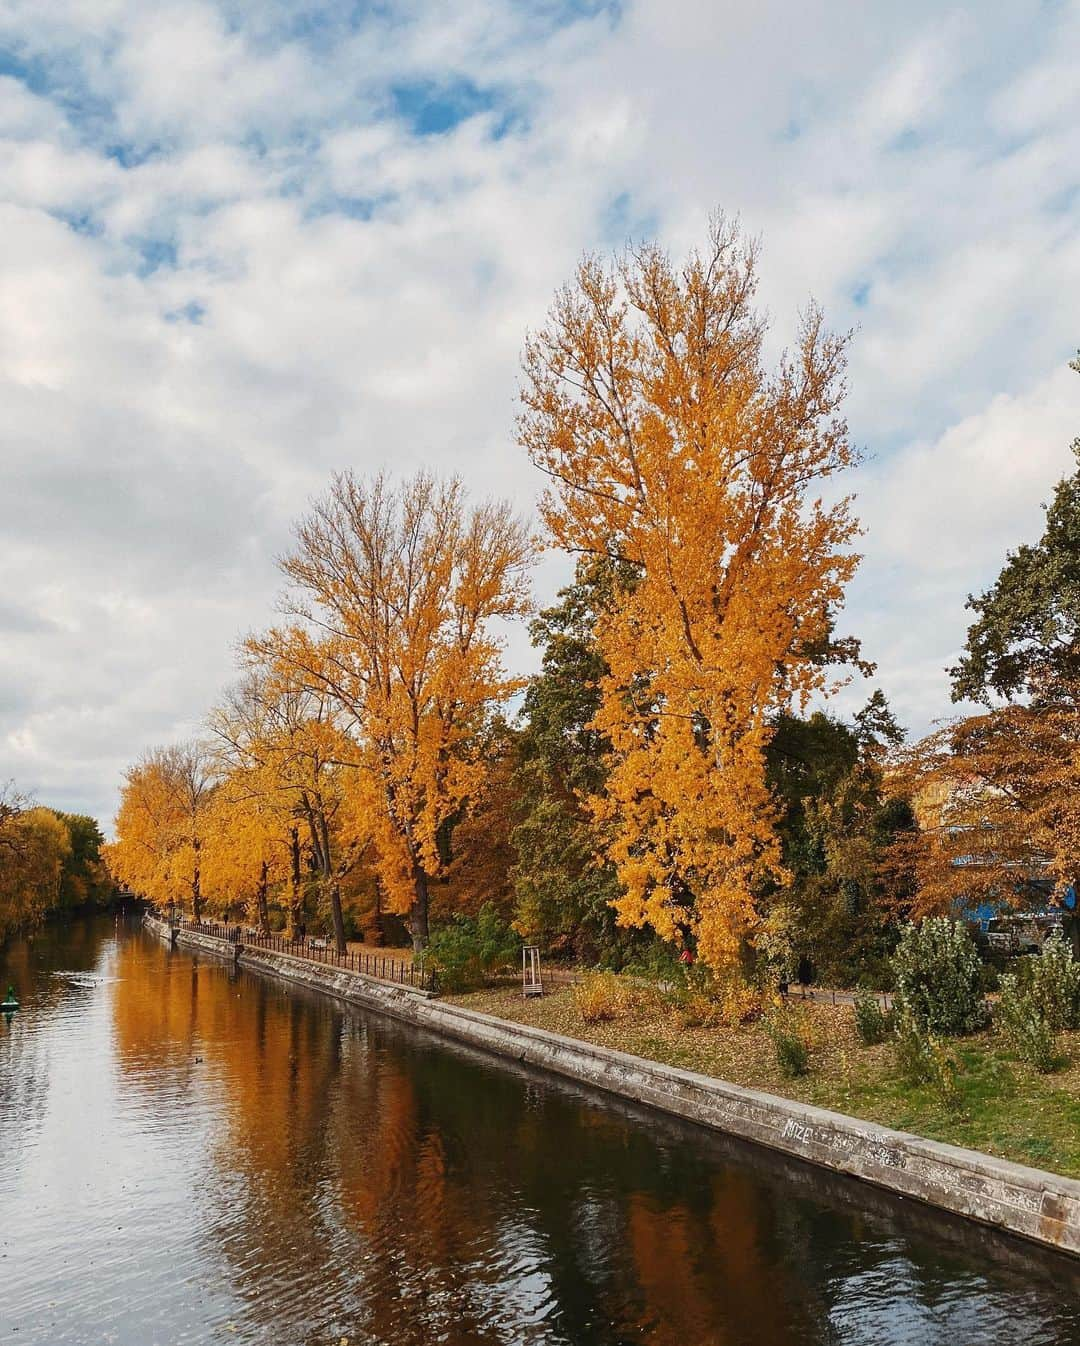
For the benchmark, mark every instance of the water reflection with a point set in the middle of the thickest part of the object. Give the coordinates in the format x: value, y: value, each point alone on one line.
x: 200, y: 1152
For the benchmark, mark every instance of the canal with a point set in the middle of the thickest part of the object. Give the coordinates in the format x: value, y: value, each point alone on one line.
x: 192, y: 1155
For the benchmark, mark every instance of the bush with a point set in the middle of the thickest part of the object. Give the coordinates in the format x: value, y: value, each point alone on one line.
x: 1025, y: 1025
x: 467, y: 950
x: 659, y: 962
x: 922, y: 1058
x: 876, y: 973
x: 717, y: 1002
x: 914, y: 1054
x: 693, y: 1009
x: 791, y: 1054
x: 1055, y: 984
x: 989, y: 976
x: 871, y: 1021
x: 945, y: 1075
x: 601, y: 996
x: 938, y: 977
x: 790, y: 1039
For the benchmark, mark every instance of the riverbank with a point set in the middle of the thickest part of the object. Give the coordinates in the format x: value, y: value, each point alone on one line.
x: 268, y: 1165
x: 1037, y: 1205
x: 1003, y: 1107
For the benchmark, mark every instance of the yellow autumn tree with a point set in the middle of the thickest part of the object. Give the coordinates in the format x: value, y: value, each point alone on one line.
x: 283, y: 741
x: 34, y: 847
x: 245, y: 847
x: 161, y: 824
x: 396, y: 590
x: 671, y: 448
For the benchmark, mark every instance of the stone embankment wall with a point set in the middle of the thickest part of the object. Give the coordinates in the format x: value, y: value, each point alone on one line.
x: 1036, y: 1205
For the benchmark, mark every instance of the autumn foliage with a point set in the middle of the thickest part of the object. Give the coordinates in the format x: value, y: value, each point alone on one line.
x: 161, y: 825
x: 670, y: 448
x: 367, y: 745
x: 666, y: 770
x: 998, y: 799
x: 396, y: 590
x: 49, y: 862
x: 280, y: 750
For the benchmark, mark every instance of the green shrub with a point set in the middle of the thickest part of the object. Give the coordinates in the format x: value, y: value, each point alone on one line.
x: 658, y: 961
x: 790, y: 1044
x: 876, y: 973
x: 989, y: 977
x: 922, y: 1058
x: 1055, y: 984
x: 938, y: 977
x: 871, y: 1021
x: 914, y: 1054
x: 467, y: 950
x: 791, y: 1054
x: 1026, y: 1026
x: 945, y: 1072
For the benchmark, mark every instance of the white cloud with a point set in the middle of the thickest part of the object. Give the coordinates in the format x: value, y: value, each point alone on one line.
x: 232, y: 264
x: 944, y: 508
x: 940, y: 516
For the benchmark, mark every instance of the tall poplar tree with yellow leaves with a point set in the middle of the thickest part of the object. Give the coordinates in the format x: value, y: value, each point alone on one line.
x: 672, y: 449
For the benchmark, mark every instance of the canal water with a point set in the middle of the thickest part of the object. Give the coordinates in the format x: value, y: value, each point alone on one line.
x: 188, y: 1154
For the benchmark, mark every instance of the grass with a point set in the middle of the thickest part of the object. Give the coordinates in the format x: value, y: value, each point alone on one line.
x: 1005, y: 1108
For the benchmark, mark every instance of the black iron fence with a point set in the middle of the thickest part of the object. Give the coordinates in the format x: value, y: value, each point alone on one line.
x: 321, y: 951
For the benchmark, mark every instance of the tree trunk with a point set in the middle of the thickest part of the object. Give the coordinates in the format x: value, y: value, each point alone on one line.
x: 330, y: 893
x: 380, y: 935
x: 296, y: 913
x: 260, y: 900
x: 196, y: 888
x: 339, y: 920
x: 418, y: 913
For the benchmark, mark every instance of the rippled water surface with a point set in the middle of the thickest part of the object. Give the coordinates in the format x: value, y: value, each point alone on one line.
x: 189, y: 1155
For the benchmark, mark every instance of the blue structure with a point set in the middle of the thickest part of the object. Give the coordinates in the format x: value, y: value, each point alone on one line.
x: 1037, y: 894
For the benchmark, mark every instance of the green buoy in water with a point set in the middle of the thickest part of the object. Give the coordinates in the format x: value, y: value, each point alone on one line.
x: 9, y: 1002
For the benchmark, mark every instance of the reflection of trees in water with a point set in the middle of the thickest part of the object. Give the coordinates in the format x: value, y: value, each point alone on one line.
x: 29, y: 963
x: 516, y: 1203
x: 369, y: 1180
x: 24, y: 1069
x: 377, y: 1182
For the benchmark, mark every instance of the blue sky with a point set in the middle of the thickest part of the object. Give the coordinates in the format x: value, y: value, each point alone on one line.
x: 248, y: 244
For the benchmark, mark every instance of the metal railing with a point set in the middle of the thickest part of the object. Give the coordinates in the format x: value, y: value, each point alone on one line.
x: 321, y: 951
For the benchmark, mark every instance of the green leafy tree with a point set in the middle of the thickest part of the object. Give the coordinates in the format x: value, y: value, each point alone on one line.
x: 84, y: 880
x: 1027, y: 623
x: 466, y: 950
x: 876, y: 728
x: 563, y: 892
x: 836, y: 820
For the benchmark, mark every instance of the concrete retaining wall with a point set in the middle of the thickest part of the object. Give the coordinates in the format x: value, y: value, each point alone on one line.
x: 1034, y: 1204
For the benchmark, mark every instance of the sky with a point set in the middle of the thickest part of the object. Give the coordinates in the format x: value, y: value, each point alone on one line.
x: 245, y: 245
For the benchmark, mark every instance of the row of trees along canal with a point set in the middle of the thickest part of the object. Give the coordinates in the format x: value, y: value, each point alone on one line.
x: 664, y: 784
x: 50, y: 862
